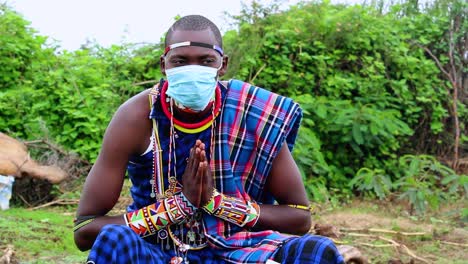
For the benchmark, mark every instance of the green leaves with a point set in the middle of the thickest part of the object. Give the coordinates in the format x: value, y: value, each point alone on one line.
x: 369, y: 94
x: 357, y: 135
x: 425, y: 182
x: 372, y: 181
x: 67, y: 97
x: 19, y: 48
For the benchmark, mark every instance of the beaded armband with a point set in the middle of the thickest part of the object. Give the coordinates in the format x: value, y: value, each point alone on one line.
x: 148, y: 220
x: 81, y: 221
x: 234, y: 210
x: 302, y: 207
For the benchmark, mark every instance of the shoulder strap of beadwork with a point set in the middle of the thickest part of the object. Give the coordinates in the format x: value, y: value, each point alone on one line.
x: 153, y: 95
x: 157, y: 158
x: 152, y: 98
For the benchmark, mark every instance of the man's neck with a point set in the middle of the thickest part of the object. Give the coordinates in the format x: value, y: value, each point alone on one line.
x: 188, y: 117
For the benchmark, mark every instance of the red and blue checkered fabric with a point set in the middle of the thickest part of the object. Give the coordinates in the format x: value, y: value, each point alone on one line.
x: 119, y: 244
x: 250, y: 130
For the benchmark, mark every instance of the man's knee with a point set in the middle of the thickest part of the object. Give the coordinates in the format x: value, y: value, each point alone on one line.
x: 324, y: 248
x: 327, y: 248
x: 115, y: 233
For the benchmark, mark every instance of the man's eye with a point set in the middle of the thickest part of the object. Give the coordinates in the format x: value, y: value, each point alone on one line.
x: 178, y: 62
x: 208, y: 61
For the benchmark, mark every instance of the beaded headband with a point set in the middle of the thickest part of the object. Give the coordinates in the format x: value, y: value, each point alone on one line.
x: 195, y: 44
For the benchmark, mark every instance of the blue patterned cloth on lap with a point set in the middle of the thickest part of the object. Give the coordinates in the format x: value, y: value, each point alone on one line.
x: 119, y: 244
x: 251, y: 128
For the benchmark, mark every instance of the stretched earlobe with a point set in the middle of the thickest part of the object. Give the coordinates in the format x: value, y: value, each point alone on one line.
x: 162, y: 64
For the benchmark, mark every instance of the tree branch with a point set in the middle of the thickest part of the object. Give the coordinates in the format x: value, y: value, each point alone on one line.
x: 436, y: 60
x: 33, y: 143
x: 145, y: 82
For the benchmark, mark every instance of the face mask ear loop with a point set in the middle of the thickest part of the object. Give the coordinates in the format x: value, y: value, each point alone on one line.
x: 219, y: 68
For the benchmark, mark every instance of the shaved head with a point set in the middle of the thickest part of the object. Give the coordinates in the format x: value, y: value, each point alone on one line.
x: 194, y: 23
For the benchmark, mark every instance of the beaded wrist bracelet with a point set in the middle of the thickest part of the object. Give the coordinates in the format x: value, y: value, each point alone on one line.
x: 148, y: 220
x: 233, y: 210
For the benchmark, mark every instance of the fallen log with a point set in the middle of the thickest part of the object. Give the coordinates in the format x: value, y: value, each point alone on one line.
x: 8, y: 256
x: 15, y: 161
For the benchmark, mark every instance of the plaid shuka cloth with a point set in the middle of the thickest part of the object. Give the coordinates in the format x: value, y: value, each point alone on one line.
x: 254, y: 125
x: 250, y: 130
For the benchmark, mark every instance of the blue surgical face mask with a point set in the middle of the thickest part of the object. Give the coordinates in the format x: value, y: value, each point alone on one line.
x: 192, y: 86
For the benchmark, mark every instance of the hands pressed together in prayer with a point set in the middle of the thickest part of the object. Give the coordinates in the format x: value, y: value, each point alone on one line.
x: 198, y: 188
x: 197, y: 179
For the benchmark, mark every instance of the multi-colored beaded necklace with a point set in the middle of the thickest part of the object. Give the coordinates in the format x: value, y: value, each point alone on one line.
x: 194, y: 127
x: 194, y: 238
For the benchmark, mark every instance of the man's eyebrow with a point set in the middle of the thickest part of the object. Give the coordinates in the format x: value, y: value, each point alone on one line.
x: 177, y: 56
x: 207, y: 56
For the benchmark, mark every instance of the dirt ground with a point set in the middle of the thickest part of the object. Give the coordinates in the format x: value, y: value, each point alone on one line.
x: 386, y: 233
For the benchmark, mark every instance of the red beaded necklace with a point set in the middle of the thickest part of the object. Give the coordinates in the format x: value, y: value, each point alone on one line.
x: 208, y: 119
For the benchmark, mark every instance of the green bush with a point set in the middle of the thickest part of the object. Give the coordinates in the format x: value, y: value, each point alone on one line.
x: 370, y: 79
x: 66, y: 97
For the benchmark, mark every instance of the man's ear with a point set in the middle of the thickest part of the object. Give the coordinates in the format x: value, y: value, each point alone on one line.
x: 223, y: 69
x: 162, y: 65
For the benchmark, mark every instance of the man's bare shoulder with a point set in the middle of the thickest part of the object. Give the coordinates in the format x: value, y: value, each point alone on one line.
x: 135, y: 109
x: 131, y: 126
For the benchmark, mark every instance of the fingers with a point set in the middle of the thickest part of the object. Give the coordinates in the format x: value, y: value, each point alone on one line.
x: 196, y: 161
x: 191, y: 185
x: 199, y: 181
x: 195, y: 174
x: 198, y: 143
x: 207, y: 179
x: 199, y: 153
x: 195, y: 153
x: 203, y: 155
x: 190, y: 160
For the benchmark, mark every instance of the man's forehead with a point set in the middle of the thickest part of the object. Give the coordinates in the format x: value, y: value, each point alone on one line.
x: 203, y: 36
